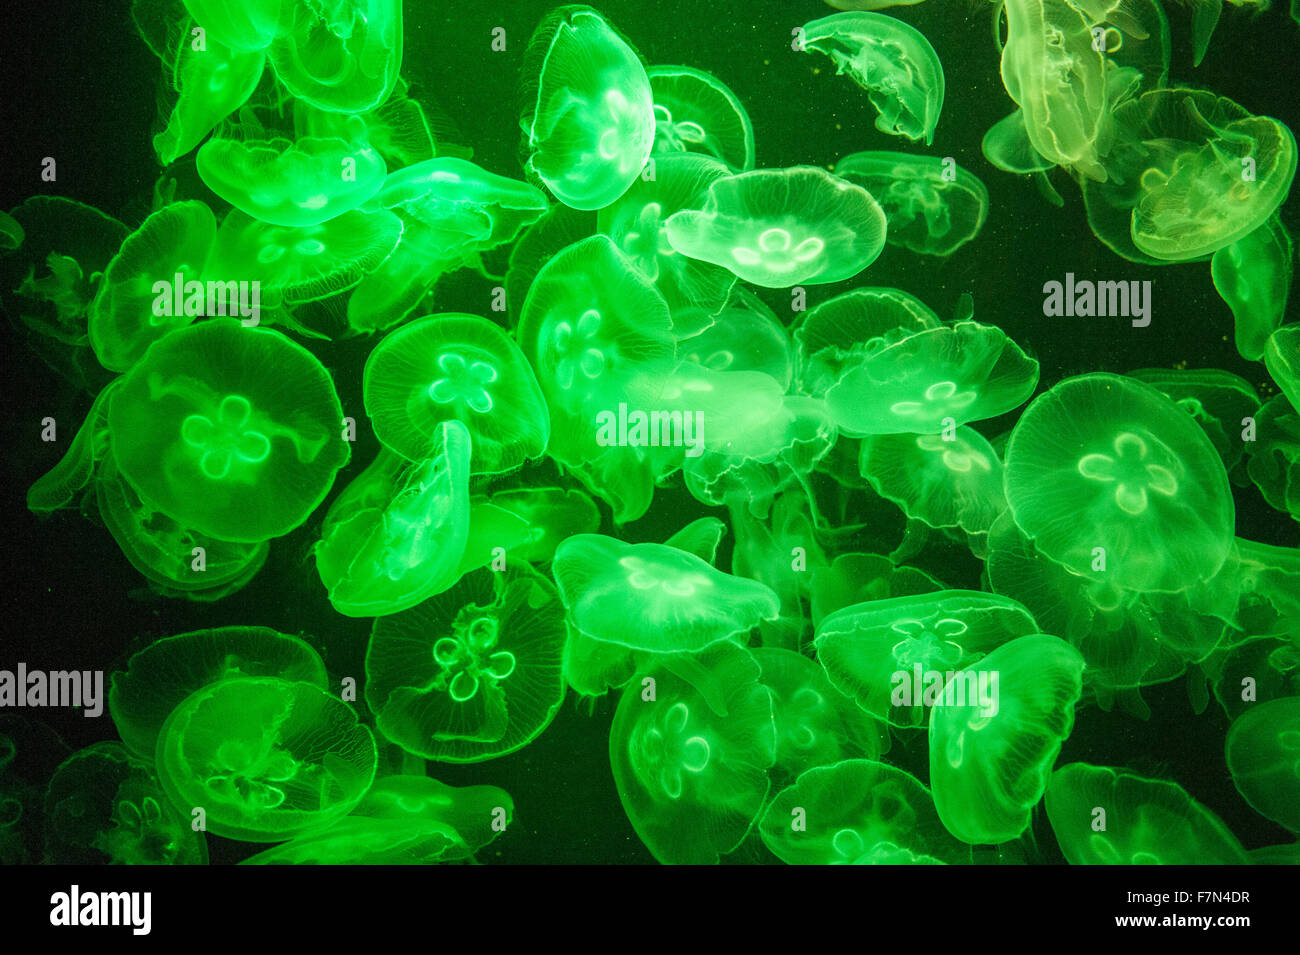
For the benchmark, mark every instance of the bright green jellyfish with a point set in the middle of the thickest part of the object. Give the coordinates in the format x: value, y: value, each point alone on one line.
x: 1274, y: 456
x: 744, y: 336
x: 211, y: 83
x: 690, y: 754
x: 945, y: 481
x: 397, y: 534
x: 159, y: 677
x: 590, y: 127
x: 454, y: 366
x: 1282, y: 358
x: 137, y: 298
x: 232, y: 432
x: 60, y: 486
x: 860, y: 578
x: 105, y: 806
x: 343, y: 56
x: 695, y: 112
x: 1110, y: 478
x: 265, y: 758
x: 1253, y: 275
x: 292, y: 183
x: 892, y: 657
x: 1106, y: 816
x: 239, y: 24
x: 473, y: 673
x: 1263, y: 753
x: 996, y: 734
x: 782, y: 227
x: 892, y: 61
x: 637, y: 225
x: 933, y: 206
x: 931, y: 380
x: 858, y: 812
x: 553, y: 514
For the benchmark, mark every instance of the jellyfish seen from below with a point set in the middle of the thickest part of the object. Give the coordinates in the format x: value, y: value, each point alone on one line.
x: 233, y: 432
x: 858, y: 812
x: 397, y: 534
x: 1253, y: 275
x: 892, y: 61
x: 135, y: 305
x: 695, y: 112
x: 933, y: 206
x: 885, y: 654
x: 991, y: 753
x: 1106, y: 816
x: 159, y: 677
x: 454, y: 366
x: 105, y: 806
x: 690, y: 753
x: 343, y: 56
x: 1112, y: 479
x: 591, y: 125
x: 473, y: 673
x: 265, y: 758
x: 932, y: 380
x: 1263, y: 753
x: 782, y: 227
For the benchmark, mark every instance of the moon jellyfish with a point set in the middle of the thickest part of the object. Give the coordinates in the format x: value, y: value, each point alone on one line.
x: 782, y: 227
x: 454, y: 366
x: 862, y: 578
x: 242, y: 25
x: 933, y: 206
x: 1112, y: 479
x: 158, y: 678
x: 1253, y: 275
x: 931, y: 380
x: 211, y: 83
x: 690, y: 754
x: 1263, y: 753
x: 893, y: 657
x: 60, y: 486
x: 858, y: 812
x: 473, y: 673
x: 343, y: 56
x: 991, y: 753
x: 1218, y: 401
x: 1105, y: 816
x: 553, y: 514
x: 695, y: 112
x: 105, y: 806
x: 591, y: 123
x: 397, y: 533
x: 233, y: 432
x: 265, y: 758
x: 892, y: 61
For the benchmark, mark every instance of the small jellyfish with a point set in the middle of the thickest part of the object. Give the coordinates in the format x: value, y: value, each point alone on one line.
x: 695, y: 112
x: 265, y: 758
x: 782, y: 227
x: 473, y: 673
x: 892, y: 61
x: 453, y: 366
x: 1263, y: 753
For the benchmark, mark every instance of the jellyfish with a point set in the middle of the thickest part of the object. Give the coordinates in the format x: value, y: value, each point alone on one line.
x: 292, y: 183
x: 343, y: 56
x: 552, y: 514
x: 454, y: 366
x: 944, y: 482
x: 11, y: 233
x: 782, y: 227
x: 1282, y: 358
x: 232, y: 432
x: 1107, y: 816
x: 211, y: 82
x: 473, y: 673
x: 932, y: 380
x: 992, y: 749
x: 590, y: 126
x: 135, y: 304
x: 744, y: 336
x: 161, y: 676
x: 59, y: 487
x: 1253, y: 275
x: 858, y: 812
x: 1110, y: 478
x: 892, y: 61
x: 241, y: 25
x: 695, y: 112
x: 1263, y: 753
x: 265, y: 758
x: 1254, y: 672
x: 1273, y: 458
x: 892, y: 656
x: 863, y: 578
x: 690, y: 747
x: 636, y: 223
x: 400, y: 130
x: 1218, y: 400
x: 933, y: 206
x: 397, y: 534
x: 105, y: 806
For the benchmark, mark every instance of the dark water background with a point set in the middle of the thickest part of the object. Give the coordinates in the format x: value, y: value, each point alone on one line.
x: 76, y: 83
